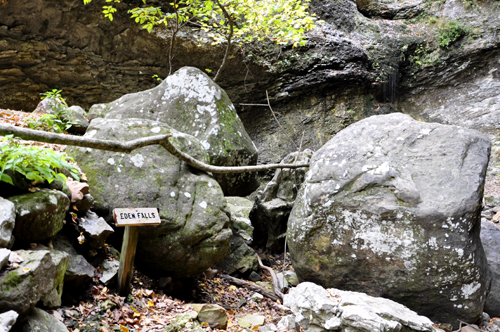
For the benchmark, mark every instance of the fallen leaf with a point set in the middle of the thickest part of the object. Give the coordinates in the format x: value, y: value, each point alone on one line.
x: 151, y: 304
x: 123, y: 328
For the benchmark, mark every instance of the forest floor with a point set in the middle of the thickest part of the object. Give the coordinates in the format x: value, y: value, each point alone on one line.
x: 147, y: 308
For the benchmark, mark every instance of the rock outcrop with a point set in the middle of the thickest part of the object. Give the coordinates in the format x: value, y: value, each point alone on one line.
x: 7, y: 222
x: 391, y: 206
x: 194, y: 233
x: 273, y: 204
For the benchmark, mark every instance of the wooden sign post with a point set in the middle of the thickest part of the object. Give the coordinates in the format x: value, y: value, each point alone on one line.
x: 131, y: 218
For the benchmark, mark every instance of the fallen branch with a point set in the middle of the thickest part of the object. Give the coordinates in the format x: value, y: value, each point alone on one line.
x: 274, y: 279
x: 252, y: 287
x: 127, y: 147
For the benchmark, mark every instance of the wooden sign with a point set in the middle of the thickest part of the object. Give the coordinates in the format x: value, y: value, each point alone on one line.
x: 136, y: 217
x: 131, y: 218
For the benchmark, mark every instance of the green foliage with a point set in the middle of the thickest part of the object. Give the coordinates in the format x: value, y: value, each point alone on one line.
x: 35, y: 163
x: 156, y: 77
x: 52, y: 122
x: 56, y: 95
x: 47, y: 122
x: 450, y: 32
x: 237, y: 21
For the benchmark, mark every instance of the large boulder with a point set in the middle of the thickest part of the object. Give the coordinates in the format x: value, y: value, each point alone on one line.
x: 390, y: 207
x: 273, y: 204
x: 194, y: 233
x: 190, y: 102
x: 490, y: 237
x: 39, y: 215
x: 39, y: 276
x: 319, y: 309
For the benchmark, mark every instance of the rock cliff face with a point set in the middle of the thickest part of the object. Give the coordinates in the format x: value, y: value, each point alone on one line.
x: 436, y: 60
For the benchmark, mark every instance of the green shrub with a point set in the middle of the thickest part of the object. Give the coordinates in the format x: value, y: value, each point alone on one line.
x: 47, y: 122
x: 450, y: 32
x: 35, y: 163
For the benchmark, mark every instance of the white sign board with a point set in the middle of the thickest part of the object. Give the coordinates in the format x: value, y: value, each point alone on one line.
x: 136, y: 217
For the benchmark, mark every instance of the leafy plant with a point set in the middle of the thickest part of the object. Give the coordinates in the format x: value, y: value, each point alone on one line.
x: 56, y: 96
x: 47, y: 122
x: 450, y: 32
x: 53, y: 122
x: 35, y: 163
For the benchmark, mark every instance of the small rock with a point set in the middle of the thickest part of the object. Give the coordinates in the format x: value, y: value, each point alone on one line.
x: 85, y: 204
x: 287, y: 323
x: 210, y: 273
x: 7, y: 222
x: 242, y: 302
x: 212, y: 314
x: 495, y: 209
x: 109, y: 270
x: 4, y: 257
x: 470, y: 328
x: 282, y: 282
x: 257, y: 297
x: 291, y: 277
x: 94, y: 228
x: 78, y: 190
x: 254, y: 276
x: 7, y: 320
x: 268, y: 328
x: 250, y: 321
x: 486, y: 214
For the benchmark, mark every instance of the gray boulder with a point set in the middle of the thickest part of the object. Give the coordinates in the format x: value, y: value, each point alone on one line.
x: 194, y: 233
x: 38, y: 277
x: 391, y: 207
x: 39, y: 215
x: 273, y: 204
x: 40, y: 321
x: 7, y: 320
x: 79, y: 269
x: 7, y: 222
x: 94, y: 228
x: 490, y: 237
x: 109, y: 270
x: 318, y: 309
x: 190, y: 102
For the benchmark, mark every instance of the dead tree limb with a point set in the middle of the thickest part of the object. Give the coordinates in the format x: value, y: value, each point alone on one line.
x: 252, y: 287
x: 127, y: 147
x: 274, y: 279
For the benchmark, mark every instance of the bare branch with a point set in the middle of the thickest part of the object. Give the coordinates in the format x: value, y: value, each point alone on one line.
x: 127, y: 147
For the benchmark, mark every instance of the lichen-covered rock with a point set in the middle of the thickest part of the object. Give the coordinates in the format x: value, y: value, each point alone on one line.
x: 7, y: 222
x: 318, y: 309
x: 194, y: 233
x: 190, y: 102
x: 490, y: 238
x: 60, y: 260
x: 39, y: 276
x: 40, y: 321
x: 39, y: 215
x: 273, y: 205
x: 390, y: 206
